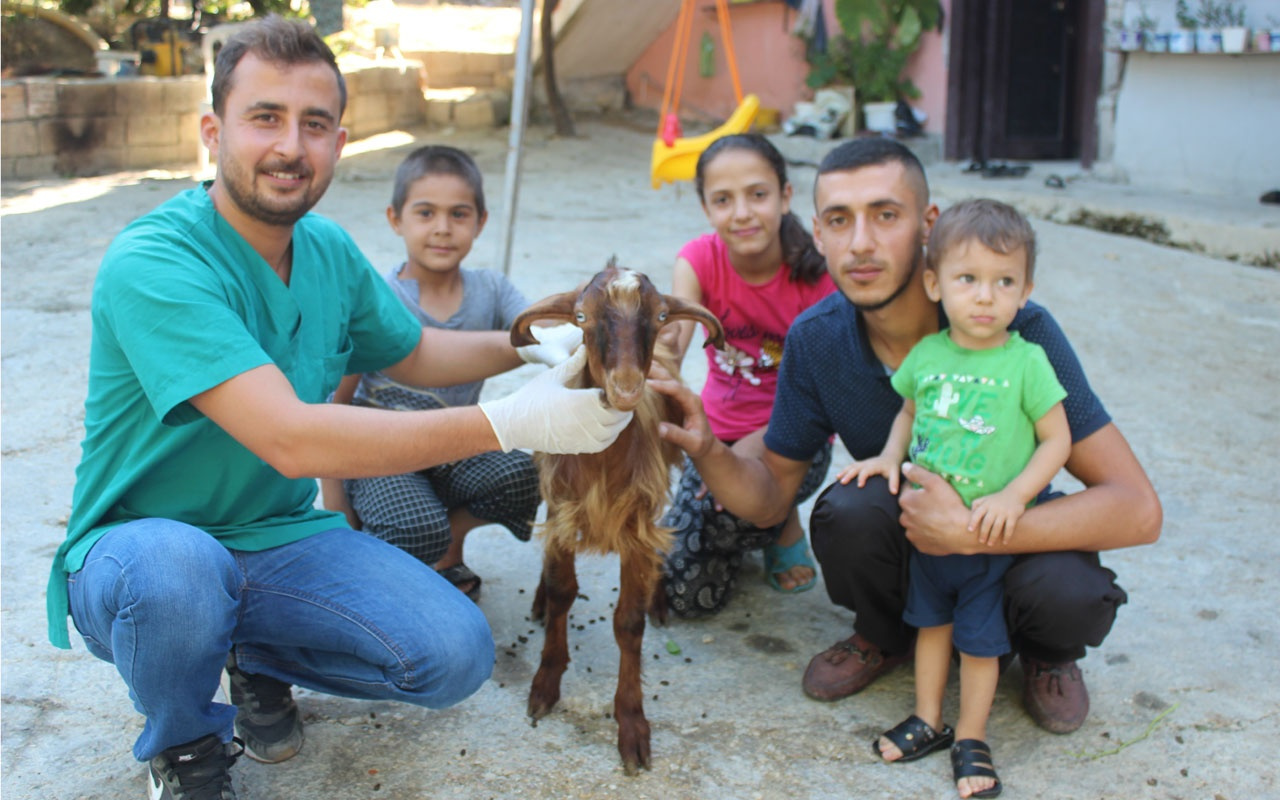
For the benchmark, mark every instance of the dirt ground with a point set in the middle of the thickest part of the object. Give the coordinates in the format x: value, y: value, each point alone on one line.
x: 1181, y: 347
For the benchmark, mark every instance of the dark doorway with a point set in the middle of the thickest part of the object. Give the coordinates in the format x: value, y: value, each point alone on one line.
x: 1024, y: 79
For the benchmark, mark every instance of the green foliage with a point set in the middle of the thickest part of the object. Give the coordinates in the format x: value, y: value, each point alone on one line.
x: 1210, y: 14
x: 150, y: 9
x: 877, y: 39
x: 1145, y: 21
x: 1185, y: 18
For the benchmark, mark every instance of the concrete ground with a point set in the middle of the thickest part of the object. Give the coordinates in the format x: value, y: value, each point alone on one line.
x: 1182, y: 347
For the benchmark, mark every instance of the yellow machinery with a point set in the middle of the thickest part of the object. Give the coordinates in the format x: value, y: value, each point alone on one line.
x: 166, y: 47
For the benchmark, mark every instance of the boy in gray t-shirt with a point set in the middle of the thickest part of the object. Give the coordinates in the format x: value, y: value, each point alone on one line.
x: 437, y: 207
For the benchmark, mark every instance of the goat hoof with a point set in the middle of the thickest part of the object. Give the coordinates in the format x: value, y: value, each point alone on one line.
x: 633, y: 746
x: 540, y: 707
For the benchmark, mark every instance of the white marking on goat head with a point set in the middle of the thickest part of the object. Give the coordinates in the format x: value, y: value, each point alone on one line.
x: 620, y: 313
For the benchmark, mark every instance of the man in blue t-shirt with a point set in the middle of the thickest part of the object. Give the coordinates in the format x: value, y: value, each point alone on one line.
x: 873, y: 219
x: 221, y: 322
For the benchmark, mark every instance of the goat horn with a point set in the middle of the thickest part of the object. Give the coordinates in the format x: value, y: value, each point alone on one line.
x: 683, y: 309
x: 556, y: 307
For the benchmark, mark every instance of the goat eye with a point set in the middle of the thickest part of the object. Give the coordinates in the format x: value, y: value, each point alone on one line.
x: 581, y: 316
x: 662, y: 316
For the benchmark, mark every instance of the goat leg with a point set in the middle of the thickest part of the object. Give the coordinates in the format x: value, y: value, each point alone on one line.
x: 539, y: 609
x: 639, y: 576
x: 559, y: 588
x: 658, y: 607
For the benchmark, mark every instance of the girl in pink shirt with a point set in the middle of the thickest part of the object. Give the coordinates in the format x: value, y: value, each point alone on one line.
x: 756, y: 273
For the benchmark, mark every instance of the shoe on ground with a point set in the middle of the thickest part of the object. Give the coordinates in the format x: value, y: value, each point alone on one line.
x: 267, y: 719
x: 199, y: 770
x: 847, y: 668
x: 1054, y: 695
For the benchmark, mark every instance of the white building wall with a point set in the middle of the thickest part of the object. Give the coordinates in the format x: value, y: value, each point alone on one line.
x: 1205, y: 122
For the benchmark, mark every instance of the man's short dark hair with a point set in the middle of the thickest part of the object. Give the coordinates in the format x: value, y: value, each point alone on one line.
x: 858, y: 153
x: 278, y: 40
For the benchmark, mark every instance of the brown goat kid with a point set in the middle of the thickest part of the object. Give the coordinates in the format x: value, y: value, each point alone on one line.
x: 610, y: 502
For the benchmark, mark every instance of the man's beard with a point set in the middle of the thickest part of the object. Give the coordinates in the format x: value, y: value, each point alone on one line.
x: 913, y: 274
x: 241, y: 193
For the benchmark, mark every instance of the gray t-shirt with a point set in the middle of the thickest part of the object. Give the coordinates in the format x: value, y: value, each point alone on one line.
x: 489, y: 303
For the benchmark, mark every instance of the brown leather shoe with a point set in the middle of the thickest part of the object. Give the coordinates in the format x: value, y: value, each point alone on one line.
x: 1054, y: 695
x: 847, y: 668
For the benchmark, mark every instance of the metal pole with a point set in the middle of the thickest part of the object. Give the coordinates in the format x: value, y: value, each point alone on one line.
x: 515, y: 140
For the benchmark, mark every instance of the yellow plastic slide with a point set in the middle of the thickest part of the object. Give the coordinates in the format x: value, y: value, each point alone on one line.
x: 679, y: 161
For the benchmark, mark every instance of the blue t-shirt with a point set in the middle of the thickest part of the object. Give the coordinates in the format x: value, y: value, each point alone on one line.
x: 181, y: 304
x: 832, y: 382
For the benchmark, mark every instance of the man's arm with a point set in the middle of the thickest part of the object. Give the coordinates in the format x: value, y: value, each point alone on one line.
x: 448, y: 358
x: 749, y: 480
x: 259, y: 409
x: 1117, y: 508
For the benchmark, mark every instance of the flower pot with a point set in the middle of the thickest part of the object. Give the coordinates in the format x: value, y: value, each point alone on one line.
x: 1233, y: 39
x: 879, y: 117
x: 1182, y: 41
x: 1128, y: 40
x: 1262, y: 41
x: 1154, y: 42
x: 1208, y: 40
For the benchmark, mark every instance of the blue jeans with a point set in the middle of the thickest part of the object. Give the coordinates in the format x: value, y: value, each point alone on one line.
x: 339, y: 612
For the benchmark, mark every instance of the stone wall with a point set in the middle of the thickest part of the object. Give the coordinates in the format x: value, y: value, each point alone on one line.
x: 382, y: 96
x: 74, y: 127
x: 90, y: 126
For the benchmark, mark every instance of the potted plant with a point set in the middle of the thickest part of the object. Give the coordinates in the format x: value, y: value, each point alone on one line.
x: 1235, y: 32
x: 1263, y: 36
x: 876, y: 39
x: 1211, y: 17
x: 1183, y: 40
x: 1146, y: 24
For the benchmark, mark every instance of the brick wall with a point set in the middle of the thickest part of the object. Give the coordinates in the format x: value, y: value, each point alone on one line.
x: 74, y: 127
x: 382, y: 96
x: 90, y: 126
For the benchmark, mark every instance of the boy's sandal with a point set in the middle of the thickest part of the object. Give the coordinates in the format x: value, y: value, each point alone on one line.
x: 460, y: 575
x: 971, y: 758
x: 915, y: 739
x: 780, y: 559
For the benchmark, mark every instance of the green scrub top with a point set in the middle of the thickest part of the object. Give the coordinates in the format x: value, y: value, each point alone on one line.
x: 181, y: 304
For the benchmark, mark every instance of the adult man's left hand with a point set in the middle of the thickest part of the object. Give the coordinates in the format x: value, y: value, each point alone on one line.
x: 933, y: 514
x: 555, y: 344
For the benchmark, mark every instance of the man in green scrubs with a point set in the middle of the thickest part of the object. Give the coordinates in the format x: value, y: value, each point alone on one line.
x: 221, y: 322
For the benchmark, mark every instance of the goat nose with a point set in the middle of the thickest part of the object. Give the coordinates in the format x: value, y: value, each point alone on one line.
x: 624, y: 388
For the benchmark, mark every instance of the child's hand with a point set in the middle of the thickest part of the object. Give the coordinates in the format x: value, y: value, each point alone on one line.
x: 864, y: 469
x: 995, y: 516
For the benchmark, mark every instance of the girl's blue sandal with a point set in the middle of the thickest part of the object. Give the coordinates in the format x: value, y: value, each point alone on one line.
x: 780, y: 559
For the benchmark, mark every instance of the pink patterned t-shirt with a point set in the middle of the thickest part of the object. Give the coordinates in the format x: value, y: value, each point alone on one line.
x: 741, y: 380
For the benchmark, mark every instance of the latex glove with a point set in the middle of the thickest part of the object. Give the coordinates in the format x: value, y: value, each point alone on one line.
x: 546, y: 416
x: 555, y: 344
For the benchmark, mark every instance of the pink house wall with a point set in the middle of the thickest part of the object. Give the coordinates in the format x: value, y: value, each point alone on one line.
x: 770, y: 63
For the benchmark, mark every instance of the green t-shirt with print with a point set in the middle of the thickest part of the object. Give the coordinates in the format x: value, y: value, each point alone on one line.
x: 181, y: 304
x: 976, y: 410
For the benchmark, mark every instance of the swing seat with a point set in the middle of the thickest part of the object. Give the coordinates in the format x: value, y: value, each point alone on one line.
x: 679, y: 161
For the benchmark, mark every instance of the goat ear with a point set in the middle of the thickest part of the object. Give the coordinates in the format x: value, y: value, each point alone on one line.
x: 558, y: 307
x: 683, y: 309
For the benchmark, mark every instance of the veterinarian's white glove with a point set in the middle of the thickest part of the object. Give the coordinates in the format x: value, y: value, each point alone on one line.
x: 555, y: 344
x: 546, y: 416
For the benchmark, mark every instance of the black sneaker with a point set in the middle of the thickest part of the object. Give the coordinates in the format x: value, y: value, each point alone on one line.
x: 266, y: 717
x: 199, y: 770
